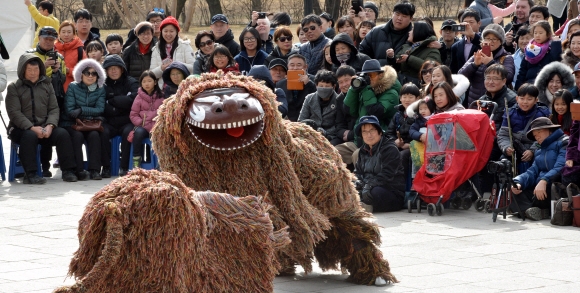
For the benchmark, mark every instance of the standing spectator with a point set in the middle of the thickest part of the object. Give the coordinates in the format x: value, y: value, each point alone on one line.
x: 71, y: 47
x: 262, y: 25
x: 170, y: 48
x: 320, y: 106
x: 371, y: 11
x: 448, y: 38
x: 221, y: 59
x: 205, y: 44
x: 364, y: 27
x: 312, y: 51
x: 487, y: 18
x: 85, y: 99
x: 469, y: 43
x: 412, y: 55
x: 121, y: 90
x: 523, y: 38
x: 327, y: 25
x: 34, y: 115
x: 154, y: 17
x: 42, y: 16
x: 251, y: 53
x: 557, y: 9
x: 283, y: 48
x: 390, y: 36
x: 85, y: 30
x: 572, y: 14
x: 137, y: 56
x: 278, y: 70
x: 173, y: 75
x: 346, y: 25
x: 223, y: 34
x: 114, y: 43
x: 301, y: 38
x: 553, y: 77
x: 296, y: 98
x: 279, y: 19
x: 344, y: 52
x: 520, y: 19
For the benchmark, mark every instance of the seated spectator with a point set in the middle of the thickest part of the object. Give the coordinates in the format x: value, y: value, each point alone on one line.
x: 223, y: 34
x: 42, y: 16
x: 114, y: 43
x: 283, y: 48
x: 496, y: 91
x: 312, y: 51
x: 571, y: 171
x: 571, y: 55
x: 278, y: 70
x: 85, y: 30
x: 418, y: 132
x: 442, y: 73
x: 344, y: 122
x: 379, y: 172
x: 144, y: 109
x: 327, y: 61
x: 532, y: 192
x: 344, y: 52
x: 137, y: 56
x: 574, y: 90
x: 320, y: 106
x: 251, y: 53
x: 561, y: 110
x: 448, y: 38
x: 154, y: 18
x: 540, y: 52
x: 474, y: 68
x: 205, y: 44
x: 445, y: 99
x: 261, y: 73
x: 173, y: 75
x: 262, y: 26
x: 346, y: 25
x: 221, y: 59
x: 426, y: 73
x: 95, y: 51
x: 34, y: 115
x: 327, y: 25
x: 553, y: 77
x: 469, y: 43
x: 412, y: 55
x: 71, y: 47
x: 296, y: 98
x: 85, y: 99
x: 523, y: 38
x: 364, y: 28
x: 371, y: 11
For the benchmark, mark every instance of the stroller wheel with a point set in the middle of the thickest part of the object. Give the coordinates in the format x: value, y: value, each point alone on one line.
x: 488, y: 206
x: 431, y: 209
x: 456, y: 202
x: 418, y: 202
x: 409, y: 207
x: 439, y: 209
x: 479, y: 205
x: 466, y: 203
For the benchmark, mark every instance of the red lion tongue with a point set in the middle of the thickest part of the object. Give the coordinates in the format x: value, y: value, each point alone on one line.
x: 236, y: 132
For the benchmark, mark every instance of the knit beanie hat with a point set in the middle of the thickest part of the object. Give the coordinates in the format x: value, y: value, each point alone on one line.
x: 495, y: 29
x: 142, y: 24
x: 170, y: 20
x: 372, y: 6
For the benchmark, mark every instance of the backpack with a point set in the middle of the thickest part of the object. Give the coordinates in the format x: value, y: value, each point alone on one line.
x: 80, y: 51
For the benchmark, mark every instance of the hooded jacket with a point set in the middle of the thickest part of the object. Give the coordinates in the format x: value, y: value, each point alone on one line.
x: 314, y: 53
x: 520, y: 122
x: 70, y: 51
x: 228, y: 41
x: 31, y: 104
x: 379, y: 101
x: 144, y: 109
x: 261, y: 72
x: 528, y: 71
x: 244, y: 62
x: 417, y: 57
x: 120, y: 94
x: 542, y: 80
x: 356, y: 59
x: 95, y: 35
x: 183, y: 53
x: 78, y: 95
x: 570, y: 59
x: 170, y: 88
x: 135, y: 61
x: 380, y: 39
x: 324, y: 118
x: 277, y: 54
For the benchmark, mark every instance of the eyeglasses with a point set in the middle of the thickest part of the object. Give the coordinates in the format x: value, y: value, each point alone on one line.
x: 206, y: 43
x: 491, y: 40
x: 156, y: 22
x: 426, y: 71
x: 305, y: 29
x: 493, y: 79
x: 249, y: 40
x: 367, y: 132
x: 90, y: 73
x: 220, y: 57
x: 284, y: 39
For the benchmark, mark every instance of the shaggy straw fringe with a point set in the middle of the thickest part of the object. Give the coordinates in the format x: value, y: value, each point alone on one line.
x: 296, y: 170
x: 148, y: 232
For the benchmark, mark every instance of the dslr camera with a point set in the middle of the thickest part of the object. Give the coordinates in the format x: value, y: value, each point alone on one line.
x: 360, y: 81
x: 504, y: 167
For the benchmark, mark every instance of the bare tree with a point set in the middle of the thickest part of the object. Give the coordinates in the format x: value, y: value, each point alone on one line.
x: 215, y: 7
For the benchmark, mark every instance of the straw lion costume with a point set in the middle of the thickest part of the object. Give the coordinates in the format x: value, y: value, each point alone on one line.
x: 223, y: 133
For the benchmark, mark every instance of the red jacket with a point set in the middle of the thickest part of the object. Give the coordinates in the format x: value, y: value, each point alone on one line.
x: 144, y: 109
x: 70, y: 52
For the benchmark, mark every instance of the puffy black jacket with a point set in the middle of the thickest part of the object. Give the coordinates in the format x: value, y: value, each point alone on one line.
x: 381, y: 38
x: 135, y: 62
x: 356, y: 59
x: 120, y: 94
x: 381, y: 166
x: 228, y: 41
x: 400, y: 123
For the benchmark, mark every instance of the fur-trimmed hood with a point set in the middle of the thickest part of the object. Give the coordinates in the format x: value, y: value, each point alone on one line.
x: 569, y: 58
x: 389, y: 79
x: 86, y: 63
x: 542, y: 79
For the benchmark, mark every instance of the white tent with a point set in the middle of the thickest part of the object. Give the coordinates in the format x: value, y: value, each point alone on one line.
x: 17, y: 28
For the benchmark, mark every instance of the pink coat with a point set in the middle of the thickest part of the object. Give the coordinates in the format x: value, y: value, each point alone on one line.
x: 144, y: 109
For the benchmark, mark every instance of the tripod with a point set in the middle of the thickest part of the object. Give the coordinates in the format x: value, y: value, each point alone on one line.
x: 501, y: 195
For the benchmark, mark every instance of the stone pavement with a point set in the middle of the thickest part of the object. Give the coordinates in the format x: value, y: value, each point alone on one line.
x: 461, y: 251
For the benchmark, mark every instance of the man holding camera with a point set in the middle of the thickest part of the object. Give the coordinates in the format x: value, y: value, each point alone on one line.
x: 262, y: 25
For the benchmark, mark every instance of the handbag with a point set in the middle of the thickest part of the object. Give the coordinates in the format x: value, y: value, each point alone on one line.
x: 88, y: 125
x: 563, y: 214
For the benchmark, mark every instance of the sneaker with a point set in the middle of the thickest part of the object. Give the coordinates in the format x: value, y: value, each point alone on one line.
x: 534, y: 213
x: 122, y: 172
x: 106, y: 173
x: 95, y: 175
x: 33, y: 178
x: 83, y: 175
x: 47, y: 174
x: 69, y: 176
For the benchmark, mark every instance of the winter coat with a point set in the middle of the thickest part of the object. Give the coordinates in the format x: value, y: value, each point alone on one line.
x: 120, y: 95
x: 144, y: 109
x: 42, y: 55
x: 267, y: 45
x: 528, y: 72
x: 295, y: 98
x: 445, y: 52
x: 200, y: 63
x: 183, y: 53
x: 21, y: 93
x: 135, y: 61
x: 330, y: 33
x: 277, y: 54
x: 484, y: 12
x: 417, y: 56
x: 499, y: 99
x: 324, y: 118
x: 41, y: 21
x: 572, y: 152
x: 228, y: 41
x: 314, y: 53
x: 95, y: 35
x: 458, y: 52
x: 356, y: 59
x: 542, y: 80
x: 344, y: 121
x: 381, y: 166
x: 73, y: 52
x: 170, y: 88
x: 457, y: 106
x: 380, y: 39
x: 244, y: 62
x: 520, y: 122
x: 379, y: 101
x: 549, y: 159
x: 570, y: 59
x: 261, y: 72
x: 78, y: 95
x: 415, y: 130
x: 400, y: 123
x: 477, y: 73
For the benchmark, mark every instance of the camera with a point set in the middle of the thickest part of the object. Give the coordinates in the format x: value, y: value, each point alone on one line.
x: 458, y: 27
x: 261, y: 15
x: 51, y: 55
x: 359, y: 82
x: 503, y: 166
x: 357, y: 5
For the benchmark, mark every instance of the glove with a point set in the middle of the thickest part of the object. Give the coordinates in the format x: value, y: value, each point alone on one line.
x: 365, y: 195
x: 322, y: 131
x: 75, y: 113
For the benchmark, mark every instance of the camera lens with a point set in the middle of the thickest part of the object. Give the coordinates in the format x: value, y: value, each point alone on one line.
x: 356, y: 82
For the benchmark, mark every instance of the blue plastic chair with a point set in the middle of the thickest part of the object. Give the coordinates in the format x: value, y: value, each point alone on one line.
x: 147, y: 165
x: 17, y: 168
x: 2, y: 161
x: 115, y: 155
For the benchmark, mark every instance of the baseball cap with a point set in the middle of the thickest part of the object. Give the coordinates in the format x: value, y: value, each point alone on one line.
x: 577, y: 67
x: 278, y: 62
x: 447, y: 23
x: 48, y: 31
x: 219, y: 17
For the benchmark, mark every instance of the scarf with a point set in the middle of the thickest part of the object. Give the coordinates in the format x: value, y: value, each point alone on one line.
x: 145, y: 48
x: 92, y: 87
x: 543, y: 50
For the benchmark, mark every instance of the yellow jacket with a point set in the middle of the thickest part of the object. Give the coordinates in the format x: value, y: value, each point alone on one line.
x: 42, y: 21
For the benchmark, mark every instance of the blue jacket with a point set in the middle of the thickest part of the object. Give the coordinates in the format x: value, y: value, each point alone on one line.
x: 415, y: 131
x: 314, y: 53
x: 244, y: 62
x: 528, y: 72
x: 400, y: 123
x: 519, y: 120
x: 549, y: 160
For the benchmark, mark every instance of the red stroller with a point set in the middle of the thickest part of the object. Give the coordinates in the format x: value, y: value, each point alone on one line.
x: 458, y: 146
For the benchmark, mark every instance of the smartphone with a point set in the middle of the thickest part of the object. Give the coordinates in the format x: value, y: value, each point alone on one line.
x: 357, y: 5
x: 486, y: 49
x: 294, y: 82
x: 458, y: 27
x: 261, y: 15
x: 508, y: 27
x: 51, y: 55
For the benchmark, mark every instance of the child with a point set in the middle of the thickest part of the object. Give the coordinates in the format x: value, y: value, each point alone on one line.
x: 327, y: 62
x: 149, y: 99
x: 114, y: 43
x: 173, y: 75
x: 561, y: 110
x: 521, y: 116
x: 418, y: 131
x: 364, y: 27
x: 95, y: 51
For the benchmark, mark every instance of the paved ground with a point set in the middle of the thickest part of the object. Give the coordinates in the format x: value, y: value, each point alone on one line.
x: 461, y: 251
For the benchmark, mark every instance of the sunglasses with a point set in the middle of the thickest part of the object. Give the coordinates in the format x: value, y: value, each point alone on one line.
x: 425, y: 71
x: 284, y: 39
x: 206, y: 43
x: 90, y: 73
x: 305, y: 29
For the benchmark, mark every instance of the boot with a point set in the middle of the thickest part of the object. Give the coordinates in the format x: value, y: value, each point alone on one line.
x: 558, y: 191
x: 137, y: 162
x: 33, y: 178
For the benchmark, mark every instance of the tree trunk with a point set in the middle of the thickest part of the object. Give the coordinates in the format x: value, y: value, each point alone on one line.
x: 179, y: 9
x: 307, y: 7
x: 316, y: 7
x: 189, y: 14
x: 94, y: 6
x: 333, y: 7
x: 215, y: 7
x: 125, y: 18
x: 257, y: 5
